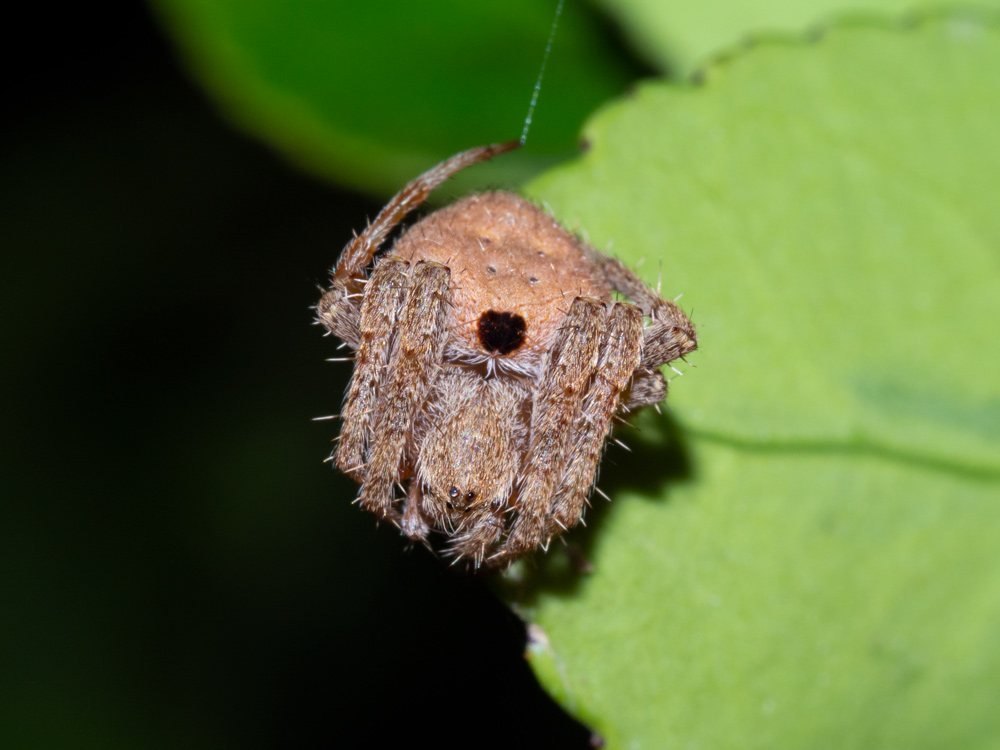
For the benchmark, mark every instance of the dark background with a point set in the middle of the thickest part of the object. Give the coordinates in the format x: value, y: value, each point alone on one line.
x: 178, y: 566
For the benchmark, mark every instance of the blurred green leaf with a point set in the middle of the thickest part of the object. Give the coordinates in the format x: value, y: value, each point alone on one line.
x: 372, y: 93
x: 681, y: 37
x: 817, y: 564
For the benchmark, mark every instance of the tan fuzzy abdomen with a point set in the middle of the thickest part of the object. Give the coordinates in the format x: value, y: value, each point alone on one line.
x: 514, y: 273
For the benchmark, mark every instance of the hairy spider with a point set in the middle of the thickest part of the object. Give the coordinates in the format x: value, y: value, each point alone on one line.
x: 490, y: 362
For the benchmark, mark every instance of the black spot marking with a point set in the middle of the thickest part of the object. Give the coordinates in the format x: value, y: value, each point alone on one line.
x: 501, y: 332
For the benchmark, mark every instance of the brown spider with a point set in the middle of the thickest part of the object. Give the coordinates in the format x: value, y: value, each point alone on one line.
x: 491, y: 361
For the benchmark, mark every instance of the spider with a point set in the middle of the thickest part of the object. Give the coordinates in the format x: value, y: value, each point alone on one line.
x: 490, y: 363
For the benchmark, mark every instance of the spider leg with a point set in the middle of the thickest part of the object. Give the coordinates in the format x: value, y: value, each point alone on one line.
x: 381, y: 305
x: 648, y: 387
x: 359, y: 251
x: 620, y: 353
x: 413, y: 360
x: 414, y: 524
x: 478, y: 533
x: 671, y: 334
x: 557, y: 406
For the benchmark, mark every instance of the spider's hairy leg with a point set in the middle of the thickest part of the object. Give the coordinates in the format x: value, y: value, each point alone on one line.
x: 412, y: 367
x: 557, y: 405
x: 671, y: 334
x: 414, y: 525
x: 648, y: 387
x: 383, y: 298
x: 359, y: 252
x: 479, y: 534
x: 337, y: 311
x: 620, y: 354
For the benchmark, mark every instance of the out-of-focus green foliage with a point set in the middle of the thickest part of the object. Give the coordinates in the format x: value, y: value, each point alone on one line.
x: 370, y: 93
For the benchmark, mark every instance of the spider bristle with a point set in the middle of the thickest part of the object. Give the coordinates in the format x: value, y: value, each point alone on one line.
x: 602, y: 493
x: 427, y: 545
x: 622, y: 444
x: 324, y: 419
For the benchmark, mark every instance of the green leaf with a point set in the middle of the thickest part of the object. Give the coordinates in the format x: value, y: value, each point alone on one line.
x: 372, y: 93
x: 830, y: 215
x: 681, y: 37
x: 815, y: 564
